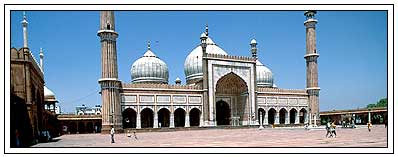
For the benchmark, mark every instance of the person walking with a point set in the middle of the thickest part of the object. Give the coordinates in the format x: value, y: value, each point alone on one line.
x: 135, y: 136
x: 112, y: 135
x: 128, y: 133
x: 328, y: 129
x: 369, y: 126
x: 385, y: 124
x: 333, y: 130
x: 306, y: 126
x: 17, y: 142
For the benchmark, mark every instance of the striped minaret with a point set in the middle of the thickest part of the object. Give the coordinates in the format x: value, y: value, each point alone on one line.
x: 311, y: 58
x: 110, y: 85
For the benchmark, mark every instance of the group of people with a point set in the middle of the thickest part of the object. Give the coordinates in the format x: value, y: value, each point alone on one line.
x: 331, y: 130
x: 128, y: 135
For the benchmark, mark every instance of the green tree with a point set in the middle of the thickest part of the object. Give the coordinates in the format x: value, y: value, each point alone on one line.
x: 381, y: 103
x: 371, y: 105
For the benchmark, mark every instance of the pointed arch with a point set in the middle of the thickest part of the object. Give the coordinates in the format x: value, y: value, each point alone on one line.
x: 271, y: 115
x: 292, y: 115
x: 231, y: 83
x: 234, y: 86
x: 303, y: 115
x: 164, y: 117
x: 146, y: 118
x: 282, y: 115
x: 179, y: 117
x: 129, y: 116
x: 194, y: 117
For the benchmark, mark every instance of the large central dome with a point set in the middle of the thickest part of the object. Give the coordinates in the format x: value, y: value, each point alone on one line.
x: 149, y: 69
x: 193, y: 62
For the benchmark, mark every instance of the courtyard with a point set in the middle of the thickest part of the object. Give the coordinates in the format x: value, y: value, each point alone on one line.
x: 243, y: 137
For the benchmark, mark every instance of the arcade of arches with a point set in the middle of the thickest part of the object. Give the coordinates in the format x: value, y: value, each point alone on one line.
x: 92, y: 123
x: 282, y: 116
x: 163, y: 118
x: 231, y: 95
x: 79, y: 124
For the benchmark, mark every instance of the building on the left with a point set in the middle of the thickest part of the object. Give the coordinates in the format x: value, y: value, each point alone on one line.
x: 31, y: 120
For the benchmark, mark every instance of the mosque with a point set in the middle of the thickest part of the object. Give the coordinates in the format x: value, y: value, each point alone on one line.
x: 220, y: 90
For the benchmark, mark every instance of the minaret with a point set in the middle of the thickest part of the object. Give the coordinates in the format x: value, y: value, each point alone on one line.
x: 25, y: 31
x: 311, y: 58
x: 41, y: 59
x: 206, y: 110
x: 253, y: 45
x: 110, y: 85
x: 26, y: 53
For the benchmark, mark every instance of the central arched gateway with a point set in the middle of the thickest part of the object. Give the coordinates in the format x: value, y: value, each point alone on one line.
x: 232, y: 106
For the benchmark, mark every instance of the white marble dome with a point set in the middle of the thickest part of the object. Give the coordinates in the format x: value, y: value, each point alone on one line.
x: 193, y: 62
x: 264, y: 75
x: 149, y: 69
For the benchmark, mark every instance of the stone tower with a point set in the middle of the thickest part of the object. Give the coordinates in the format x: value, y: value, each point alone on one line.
x: 311, y: 58
x: 110, y: 85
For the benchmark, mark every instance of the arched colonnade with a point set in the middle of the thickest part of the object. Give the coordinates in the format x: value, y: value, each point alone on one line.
x: 162, y: 117
x: 282, y: 115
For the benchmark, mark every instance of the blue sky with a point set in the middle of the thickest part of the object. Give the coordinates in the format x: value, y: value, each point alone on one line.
x: 352, y: 47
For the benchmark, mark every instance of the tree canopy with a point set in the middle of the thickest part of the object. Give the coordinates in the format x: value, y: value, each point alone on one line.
x: 381, y: 103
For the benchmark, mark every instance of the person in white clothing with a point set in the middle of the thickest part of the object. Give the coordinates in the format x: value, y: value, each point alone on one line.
x: 112, y: 135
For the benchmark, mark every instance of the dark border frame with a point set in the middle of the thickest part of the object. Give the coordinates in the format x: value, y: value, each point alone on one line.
x: 393, y: 23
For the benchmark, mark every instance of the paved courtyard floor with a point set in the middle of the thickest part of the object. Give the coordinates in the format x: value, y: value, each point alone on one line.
x: 247, y: 137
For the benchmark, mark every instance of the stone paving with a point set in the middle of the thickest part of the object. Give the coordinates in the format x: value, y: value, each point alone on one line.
x: 246, y: 137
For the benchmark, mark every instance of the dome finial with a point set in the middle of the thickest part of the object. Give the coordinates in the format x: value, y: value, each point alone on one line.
x: 24, y: 15
x: 207, y: 30
x: 178, y: 81
x: 149, y: 45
